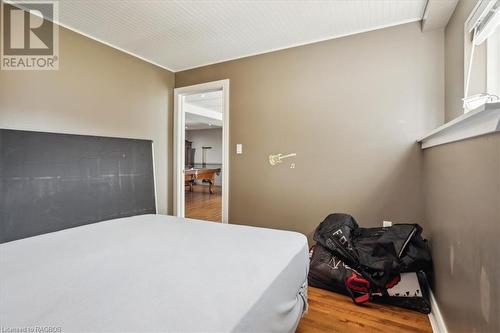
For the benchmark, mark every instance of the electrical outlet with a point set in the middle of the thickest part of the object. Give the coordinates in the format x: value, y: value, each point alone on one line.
x: 239, y: 148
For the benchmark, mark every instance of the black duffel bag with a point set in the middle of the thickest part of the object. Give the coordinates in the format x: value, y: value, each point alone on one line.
x: 408, y: 290
x: 375, y: 257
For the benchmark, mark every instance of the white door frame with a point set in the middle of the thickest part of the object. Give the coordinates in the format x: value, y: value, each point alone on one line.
x: 180, y: 136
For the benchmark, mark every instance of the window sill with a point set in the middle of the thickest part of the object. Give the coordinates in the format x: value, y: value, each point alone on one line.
x: 483, y: 120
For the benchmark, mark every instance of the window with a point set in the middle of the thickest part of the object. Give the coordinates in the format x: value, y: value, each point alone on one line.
x: 493, y: 63
x: 482, y: 38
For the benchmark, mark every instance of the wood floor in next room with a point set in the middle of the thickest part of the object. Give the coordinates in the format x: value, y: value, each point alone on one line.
x: 331, y: 312
x: 202, y: 205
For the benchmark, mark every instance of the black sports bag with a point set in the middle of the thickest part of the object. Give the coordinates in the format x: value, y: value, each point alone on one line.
x: 408, y: 290
x: 375, y: 257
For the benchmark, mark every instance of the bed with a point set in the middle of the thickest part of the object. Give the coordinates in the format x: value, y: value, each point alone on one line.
x: 82, y: 249
x: 155, y: 273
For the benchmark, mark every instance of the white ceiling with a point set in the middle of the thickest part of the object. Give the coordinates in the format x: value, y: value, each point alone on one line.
x: 197, y: 122
x: 179, y: 35
x: 209, y: 100
x: 203, y: 111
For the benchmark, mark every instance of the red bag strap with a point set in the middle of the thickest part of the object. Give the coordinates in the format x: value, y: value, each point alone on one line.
x: 362, y: 299
x: 358, y: 284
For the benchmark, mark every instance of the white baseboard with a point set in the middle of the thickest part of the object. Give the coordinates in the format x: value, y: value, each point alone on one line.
x: 435, y: 317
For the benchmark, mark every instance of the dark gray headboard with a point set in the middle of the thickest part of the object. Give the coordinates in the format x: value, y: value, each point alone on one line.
x: 50, y: 182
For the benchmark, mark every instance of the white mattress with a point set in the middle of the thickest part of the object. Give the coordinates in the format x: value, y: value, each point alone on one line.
x: 155, y: 273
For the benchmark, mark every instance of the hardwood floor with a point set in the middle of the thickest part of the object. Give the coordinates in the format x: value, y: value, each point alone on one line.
x: 331, y: 312
x: 202, y: 205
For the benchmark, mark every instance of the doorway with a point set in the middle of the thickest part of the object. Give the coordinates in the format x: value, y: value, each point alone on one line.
x: 201, y: 151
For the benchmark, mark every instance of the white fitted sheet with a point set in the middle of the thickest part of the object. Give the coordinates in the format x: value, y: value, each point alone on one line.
x: 155, y: 273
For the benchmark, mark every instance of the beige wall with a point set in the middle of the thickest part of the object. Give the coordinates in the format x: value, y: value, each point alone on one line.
x: 454, y: 63
x: 96, y: 91
x: 462, y: 209
x: 206, y: 137
x: 462, y: 203
x: 351, y: 108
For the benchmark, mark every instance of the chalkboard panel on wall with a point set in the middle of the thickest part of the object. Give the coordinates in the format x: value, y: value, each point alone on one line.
x: 50, y: 181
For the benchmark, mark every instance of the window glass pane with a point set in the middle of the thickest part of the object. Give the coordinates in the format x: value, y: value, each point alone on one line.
x: 496, y: 69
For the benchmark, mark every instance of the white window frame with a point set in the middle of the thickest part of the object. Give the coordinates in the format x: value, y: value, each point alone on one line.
x: 492, y: 47
x: 485, y: 118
